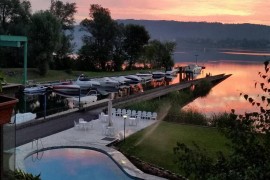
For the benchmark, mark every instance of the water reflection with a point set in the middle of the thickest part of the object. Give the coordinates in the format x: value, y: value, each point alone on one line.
x: 74, y: 163
x: 226, y: 95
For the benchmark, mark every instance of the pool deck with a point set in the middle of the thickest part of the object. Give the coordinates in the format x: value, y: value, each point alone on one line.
x: 92, y: 137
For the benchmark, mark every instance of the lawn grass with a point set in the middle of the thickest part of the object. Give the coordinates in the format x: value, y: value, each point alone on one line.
x: 157, y: 147
x: 56, y: 75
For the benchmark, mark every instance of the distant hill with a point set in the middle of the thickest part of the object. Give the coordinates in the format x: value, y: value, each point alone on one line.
x: 169, y: 30
x: 175, y: 30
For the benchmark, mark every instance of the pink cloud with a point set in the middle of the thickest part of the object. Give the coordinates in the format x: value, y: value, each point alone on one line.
x: 251, y: 11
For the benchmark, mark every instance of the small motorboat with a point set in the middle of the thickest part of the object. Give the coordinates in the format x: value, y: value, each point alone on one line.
x: 134, y: 79
x: 89, y: 98
x: 107, y: 82
x: 66, y: 89
x: 145, y: 76
x: 193, y: 68
x: 84, y: 99
x: 85, y: 82
x: 158, y: 76
x: 122, y: 80
x: 35, y: 90
x: 171, y: 71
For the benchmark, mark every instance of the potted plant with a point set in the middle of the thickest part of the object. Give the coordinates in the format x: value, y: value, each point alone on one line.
x: 6, y: 104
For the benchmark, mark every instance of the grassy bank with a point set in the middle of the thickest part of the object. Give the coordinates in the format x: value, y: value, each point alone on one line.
x: 155, y: 144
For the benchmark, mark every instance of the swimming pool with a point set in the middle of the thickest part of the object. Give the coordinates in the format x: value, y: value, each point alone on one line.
x: 73, y: 163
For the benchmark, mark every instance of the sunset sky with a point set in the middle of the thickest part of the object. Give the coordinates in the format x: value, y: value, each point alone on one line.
x: 225, y: 11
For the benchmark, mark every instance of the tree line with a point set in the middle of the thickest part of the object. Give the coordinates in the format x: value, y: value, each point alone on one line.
x: 108, y: 45
x: 223, y: 43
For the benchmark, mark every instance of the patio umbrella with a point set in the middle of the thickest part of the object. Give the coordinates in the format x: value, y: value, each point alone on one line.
x: 110, y: 112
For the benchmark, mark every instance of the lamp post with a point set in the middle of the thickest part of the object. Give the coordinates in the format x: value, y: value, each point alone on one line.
x: 196, y: 57
x: 125, y: 117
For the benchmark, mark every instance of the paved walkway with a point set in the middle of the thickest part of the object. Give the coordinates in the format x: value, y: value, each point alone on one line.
x: 98, y: 136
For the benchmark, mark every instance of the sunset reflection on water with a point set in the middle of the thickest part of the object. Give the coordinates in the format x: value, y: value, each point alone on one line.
x: 226, y: 95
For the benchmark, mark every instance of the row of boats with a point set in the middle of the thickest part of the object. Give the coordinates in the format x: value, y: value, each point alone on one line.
x: 105, y: 85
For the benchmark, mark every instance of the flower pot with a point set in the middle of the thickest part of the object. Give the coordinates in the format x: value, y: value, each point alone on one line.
x: 6, y: 107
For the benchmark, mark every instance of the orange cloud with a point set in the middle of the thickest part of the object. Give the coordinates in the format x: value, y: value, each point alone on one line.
x: 229, y: 11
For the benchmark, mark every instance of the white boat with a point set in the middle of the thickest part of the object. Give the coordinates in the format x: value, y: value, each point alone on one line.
x: 171, y: 71
x: 74, y: 101
x: 158, y: 74
x: 66, y: 89
x: 107, y: 82
x: 35, y: 90
x: 134, y: 79
x: 145, y: 76
x: 122, y: 80
x: 85, y: 99
x: 85, y: 82
x: 193, y: 68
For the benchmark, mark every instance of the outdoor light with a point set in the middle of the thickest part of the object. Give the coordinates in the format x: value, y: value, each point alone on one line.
x: 125, y: 117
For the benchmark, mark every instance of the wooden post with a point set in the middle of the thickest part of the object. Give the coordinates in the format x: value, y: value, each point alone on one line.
x: 180, y: 74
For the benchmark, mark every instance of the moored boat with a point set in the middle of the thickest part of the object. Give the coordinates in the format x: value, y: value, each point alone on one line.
x: 193, y: 68
x: 122, y: 80
x: 90, y: 98
x: 85, y: 82
x: 35, y: 90
x: 134, y: 79
x: 107, y: 82
x: 145, y: 76
x: 158, y: 75
x: 171, y: 71
x: 66, y: 89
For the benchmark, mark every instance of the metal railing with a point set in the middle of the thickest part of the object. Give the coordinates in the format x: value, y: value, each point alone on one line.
x: 37, y: 144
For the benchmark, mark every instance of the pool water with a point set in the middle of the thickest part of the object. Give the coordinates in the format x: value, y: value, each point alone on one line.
x: 73, y: 163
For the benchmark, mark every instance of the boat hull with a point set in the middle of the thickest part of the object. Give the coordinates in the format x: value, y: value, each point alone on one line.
x: 67, y: 89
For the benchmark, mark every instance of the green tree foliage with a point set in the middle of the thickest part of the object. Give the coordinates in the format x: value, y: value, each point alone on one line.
x: 14, y: 15
x: 65, y: 14
x: 119, y: 54
x: 14, y: 20
x: 98, y: 46
x: 159, y: 54
x: 44, y: 39
x: 250, y: 144
x: 136, y: 37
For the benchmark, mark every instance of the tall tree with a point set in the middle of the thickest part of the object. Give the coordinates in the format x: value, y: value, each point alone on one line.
x: 14, y: 20
x: 136, y: 37
x: 14, y: 13
x: 65, y: 14
x: 159, y: 54
x: 44, y: 38
x: 119, y: 54
x: 101, y: 29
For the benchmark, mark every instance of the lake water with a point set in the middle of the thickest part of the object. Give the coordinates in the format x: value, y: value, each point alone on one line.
x: 244, y: 67
x: 242, y: 64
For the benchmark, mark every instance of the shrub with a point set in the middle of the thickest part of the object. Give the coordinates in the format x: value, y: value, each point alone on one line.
x: 20, y: 175
x: 186, y: 116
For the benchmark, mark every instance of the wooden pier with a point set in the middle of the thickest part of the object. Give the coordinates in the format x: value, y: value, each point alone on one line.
x: 157, y: 92
x: 147, y: 95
